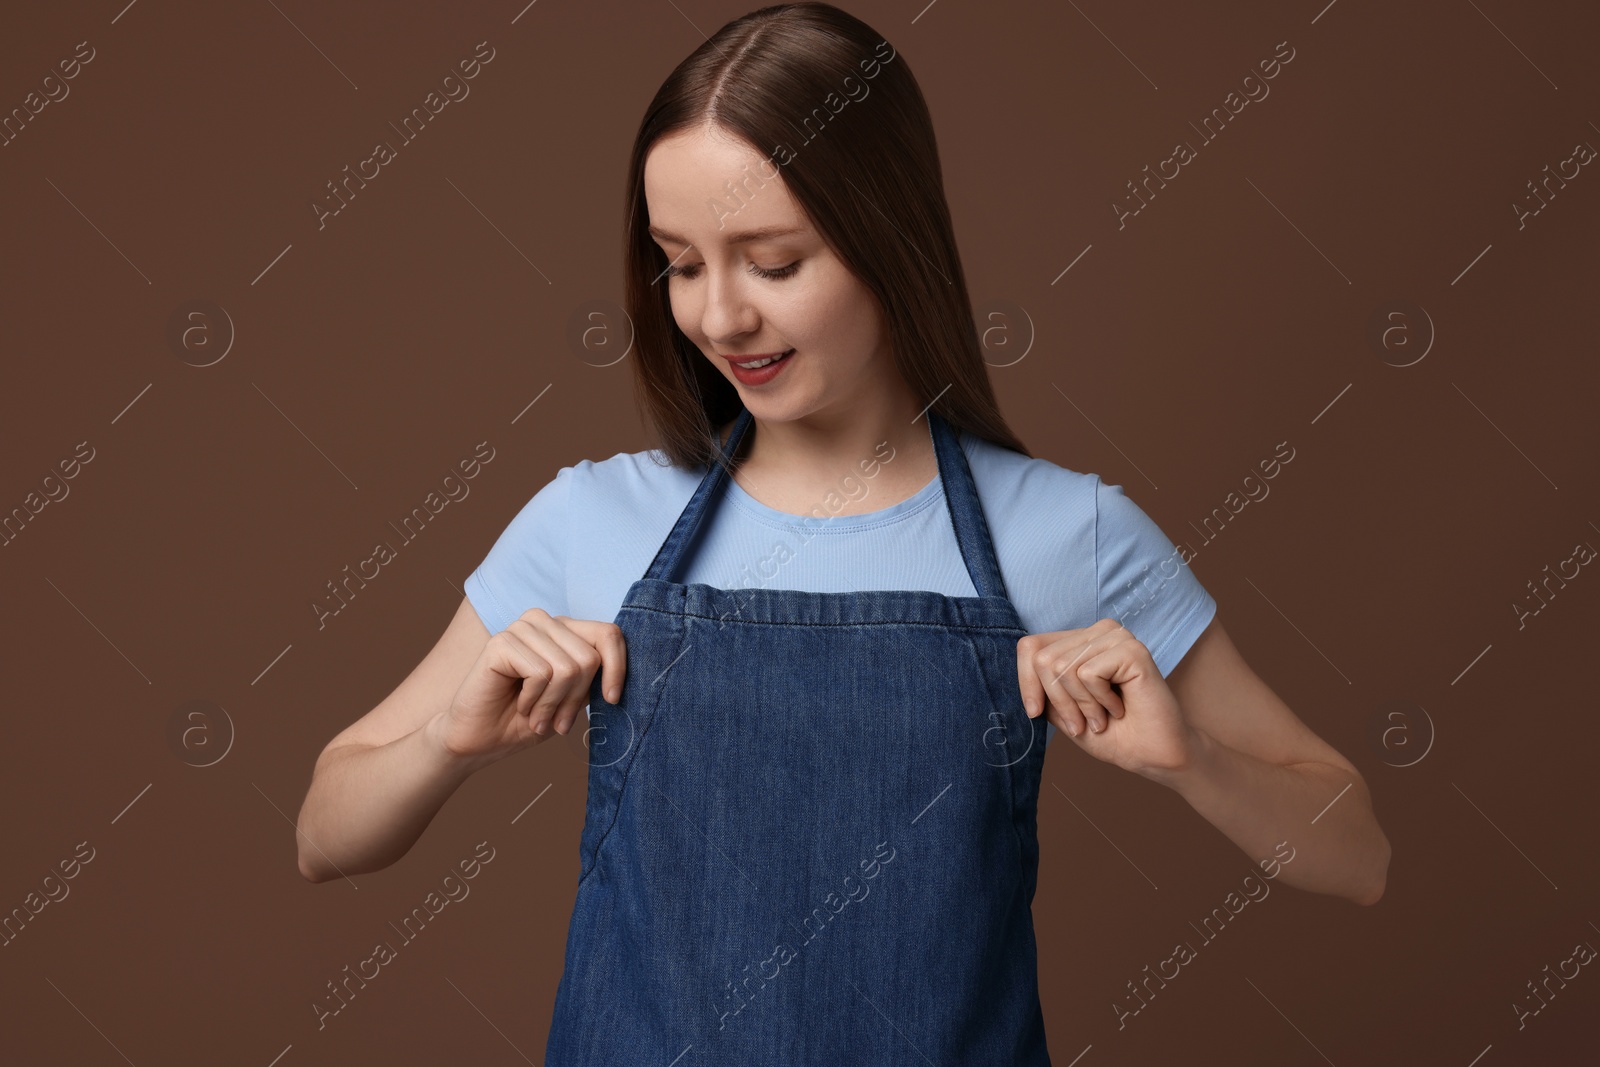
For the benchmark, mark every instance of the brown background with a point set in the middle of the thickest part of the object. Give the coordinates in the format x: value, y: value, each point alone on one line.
x: 1230, y: 315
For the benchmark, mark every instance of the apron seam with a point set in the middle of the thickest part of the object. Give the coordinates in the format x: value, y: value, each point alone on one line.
x: 622, y: 786
x: 958, y: 628
x: 1011, y: 776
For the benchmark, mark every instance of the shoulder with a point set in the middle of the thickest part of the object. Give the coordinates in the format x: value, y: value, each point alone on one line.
x: 1016, y: 484
x: 1045, y: 515
x: 647, y: 467
x: 1042, y: 519
x: 1030, y: 486
x: 633, y: 482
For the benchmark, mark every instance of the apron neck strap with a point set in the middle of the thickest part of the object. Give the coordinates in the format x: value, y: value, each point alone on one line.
x: 966, y: 512
x: 961, y: 499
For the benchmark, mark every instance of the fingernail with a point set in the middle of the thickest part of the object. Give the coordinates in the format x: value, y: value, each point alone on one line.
x: 611, y: 694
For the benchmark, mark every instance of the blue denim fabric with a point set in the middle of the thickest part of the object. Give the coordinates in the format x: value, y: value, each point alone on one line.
x: 811, y: 826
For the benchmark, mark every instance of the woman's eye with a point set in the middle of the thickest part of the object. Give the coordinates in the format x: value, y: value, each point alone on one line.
x: 693, y: 271
x: 781, y: 272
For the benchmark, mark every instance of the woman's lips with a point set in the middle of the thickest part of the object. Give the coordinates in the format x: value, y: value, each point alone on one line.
x: 759, y: 375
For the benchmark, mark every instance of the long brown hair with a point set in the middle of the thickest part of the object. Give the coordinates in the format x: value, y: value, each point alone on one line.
x: 848, y: 131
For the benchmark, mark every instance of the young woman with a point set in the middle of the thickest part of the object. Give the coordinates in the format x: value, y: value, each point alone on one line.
x: 824, y: 632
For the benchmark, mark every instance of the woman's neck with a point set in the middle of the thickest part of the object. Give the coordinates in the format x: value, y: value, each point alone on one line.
x: 866, y: 462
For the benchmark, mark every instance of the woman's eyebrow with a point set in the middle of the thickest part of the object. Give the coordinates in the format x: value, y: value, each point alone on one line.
x: 738, y: 237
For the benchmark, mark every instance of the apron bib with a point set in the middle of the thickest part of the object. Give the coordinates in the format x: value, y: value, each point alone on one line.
x: 810, y: 835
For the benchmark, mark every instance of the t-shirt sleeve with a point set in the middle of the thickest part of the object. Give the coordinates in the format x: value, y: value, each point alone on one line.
x: 527, y: 567
x: 1144, y: 582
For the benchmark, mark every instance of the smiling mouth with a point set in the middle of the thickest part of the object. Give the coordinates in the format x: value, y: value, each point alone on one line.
x: 754, y: 364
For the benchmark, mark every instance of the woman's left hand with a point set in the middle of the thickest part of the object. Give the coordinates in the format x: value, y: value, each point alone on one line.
x: 1100, y: 686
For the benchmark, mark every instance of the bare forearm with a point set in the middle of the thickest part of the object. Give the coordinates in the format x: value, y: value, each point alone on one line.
x: 367, y: 805
x: 1323, y: 812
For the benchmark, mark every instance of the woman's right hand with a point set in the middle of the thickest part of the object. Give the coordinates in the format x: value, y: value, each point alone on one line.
x: 534, y: 674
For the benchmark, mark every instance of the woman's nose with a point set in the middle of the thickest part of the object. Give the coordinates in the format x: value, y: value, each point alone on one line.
x: 727, y: 312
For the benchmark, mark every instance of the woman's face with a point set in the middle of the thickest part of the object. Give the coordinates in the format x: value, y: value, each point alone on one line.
x: 735, y: 292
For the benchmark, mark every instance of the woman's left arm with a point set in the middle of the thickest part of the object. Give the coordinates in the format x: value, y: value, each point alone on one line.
x: 1218, y: 735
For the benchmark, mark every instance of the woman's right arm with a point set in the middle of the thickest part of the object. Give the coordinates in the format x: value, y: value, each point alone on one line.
x: 474, y: 699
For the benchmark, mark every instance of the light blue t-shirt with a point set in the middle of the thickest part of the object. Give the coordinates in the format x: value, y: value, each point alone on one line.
x: 1072, y: 550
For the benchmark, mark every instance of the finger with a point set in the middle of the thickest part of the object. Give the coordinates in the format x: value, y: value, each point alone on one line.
x: 517, y: 661
x: 1057, y: 718
x: 526, y: 661
x: 605, y: 642
x: 1033, y: 698
x: 577, y: 637
x: 607, y: 639
x: 1117, y: 633
x: 599, y: 648
x: 1095, y: 674
x: 564, y: 668
x: 1053, y: 665
x: 1067, y: 671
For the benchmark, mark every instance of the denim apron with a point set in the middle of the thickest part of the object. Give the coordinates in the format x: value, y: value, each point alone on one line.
x: 810, y: 835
